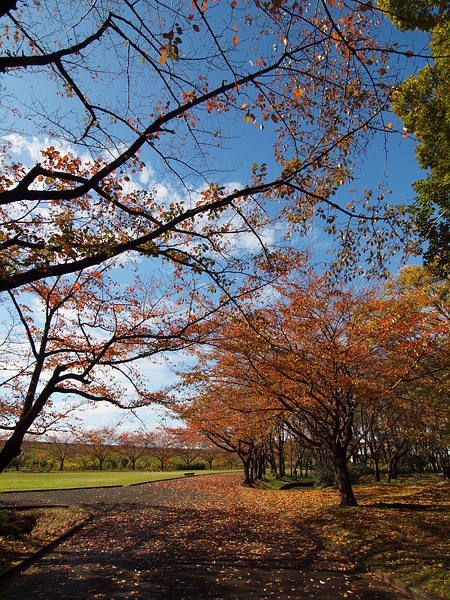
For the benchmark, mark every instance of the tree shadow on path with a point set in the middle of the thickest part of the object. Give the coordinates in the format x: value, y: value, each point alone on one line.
x: 206, y: 545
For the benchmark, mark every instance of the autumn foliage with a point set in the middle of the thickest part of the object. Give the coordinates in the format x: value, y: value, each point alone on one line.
x: 327, y: 361
x: 82, y: 345
x: 120, y: 150
x: 125, y: 92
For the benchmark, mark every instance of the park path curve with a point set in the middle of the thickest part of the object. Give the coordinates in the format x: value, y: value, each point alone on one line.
x: 185, y: 539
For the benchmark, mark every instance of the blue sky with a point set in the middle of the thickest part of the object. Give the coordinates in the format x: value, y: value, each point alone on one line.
x: 389, y: 159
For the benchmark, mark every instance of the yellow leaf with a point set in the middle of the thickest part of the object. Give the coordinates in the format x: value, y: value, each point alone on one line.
x: 173, y: 52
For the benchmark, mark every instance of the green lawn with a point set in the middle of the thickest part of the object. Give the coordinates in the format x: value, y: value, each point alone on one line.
x: 21, y: 481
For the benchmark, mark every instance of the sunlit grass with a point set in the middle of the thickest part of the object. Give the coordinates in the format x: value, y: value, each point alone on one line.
x: 21, y: 481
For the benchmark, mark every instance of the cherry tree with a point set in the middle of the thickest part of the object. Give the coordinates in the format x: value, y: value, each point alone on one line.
x: 129, y: 111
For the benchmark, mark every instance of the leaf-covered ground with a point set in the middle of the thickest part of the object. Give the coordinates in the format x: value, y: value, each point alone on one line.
x: 402, y: 529
x: 203, y: 537
x: 26, y: 531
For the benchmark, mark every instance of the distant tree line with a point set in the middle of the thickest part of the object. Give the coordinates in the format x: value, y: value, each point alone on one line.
x: 107, y: 448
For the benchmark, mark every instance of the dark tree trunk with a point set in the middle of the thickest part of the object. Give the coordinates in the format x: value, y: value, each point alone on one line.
x: 400, y: 451
x: 393, y: 468
x: 247, y: 470
x: 282, y: 463
x: 273, y: 466
x: 376, y: 463
x: 342, y: 475
x: 260, y: 468
x: 11, y: 448
x: 433, y: 462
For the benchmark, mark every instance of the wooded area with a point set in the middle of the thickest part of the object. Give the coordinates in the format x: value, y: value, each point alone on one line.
x: 134, y: 227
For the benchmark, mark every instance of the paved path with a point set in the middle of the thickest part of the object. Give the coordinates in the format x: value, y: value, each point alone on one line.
x: 182, y: 540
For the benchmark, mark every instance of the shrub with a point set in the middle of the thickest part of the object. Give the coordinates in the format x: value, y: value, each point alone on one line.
x: 196, y: 466
x: 15, y: 523
x: 323, y: 473
x: 358, y: 471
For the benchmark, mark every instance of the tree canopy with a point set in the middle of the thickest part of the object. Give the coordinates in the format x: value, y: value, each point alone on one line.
x: 423, y: 104
x: 120, y: 127
x: 316, y: 356
x: 84, y: 338
x: 104, y: 95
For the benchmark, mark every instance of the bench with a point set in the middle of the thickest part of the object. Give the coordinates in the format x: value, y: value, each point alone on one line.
x: 189, y: 474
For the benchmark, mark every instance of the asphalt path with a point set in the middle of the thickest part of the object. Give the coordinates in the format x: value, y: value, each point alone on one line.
x: 185, y: 539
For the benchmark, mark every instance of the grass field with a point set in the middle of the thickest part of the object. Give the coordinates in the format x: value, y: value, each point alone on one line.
x: 22, y: 481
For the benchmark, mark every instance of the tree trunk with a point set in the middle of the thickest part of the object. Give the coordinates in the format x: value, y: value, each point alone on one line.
x: 342, y: 475
x: 433, y: 462
x: 393, y: 468
x: 11, y: 448
x: 376, y: 463
x: 247, y: 470
x: 282, y: 463
x: 273, y: 466
x: 400, y: 451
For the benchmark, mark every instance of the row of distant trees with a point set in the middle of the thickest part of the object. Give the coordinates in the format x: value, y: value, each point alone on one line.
x: 380, y: 454
x: 109, y: 448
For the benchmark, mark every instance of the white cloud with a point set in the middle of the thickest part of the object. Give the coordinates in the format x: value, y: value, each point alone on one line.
x: 31, y: 148
x: 146, y: 174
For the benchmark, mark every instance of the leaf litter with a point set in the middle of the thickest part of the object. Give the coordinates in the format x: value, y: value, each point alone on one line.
x: 203, y: 537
